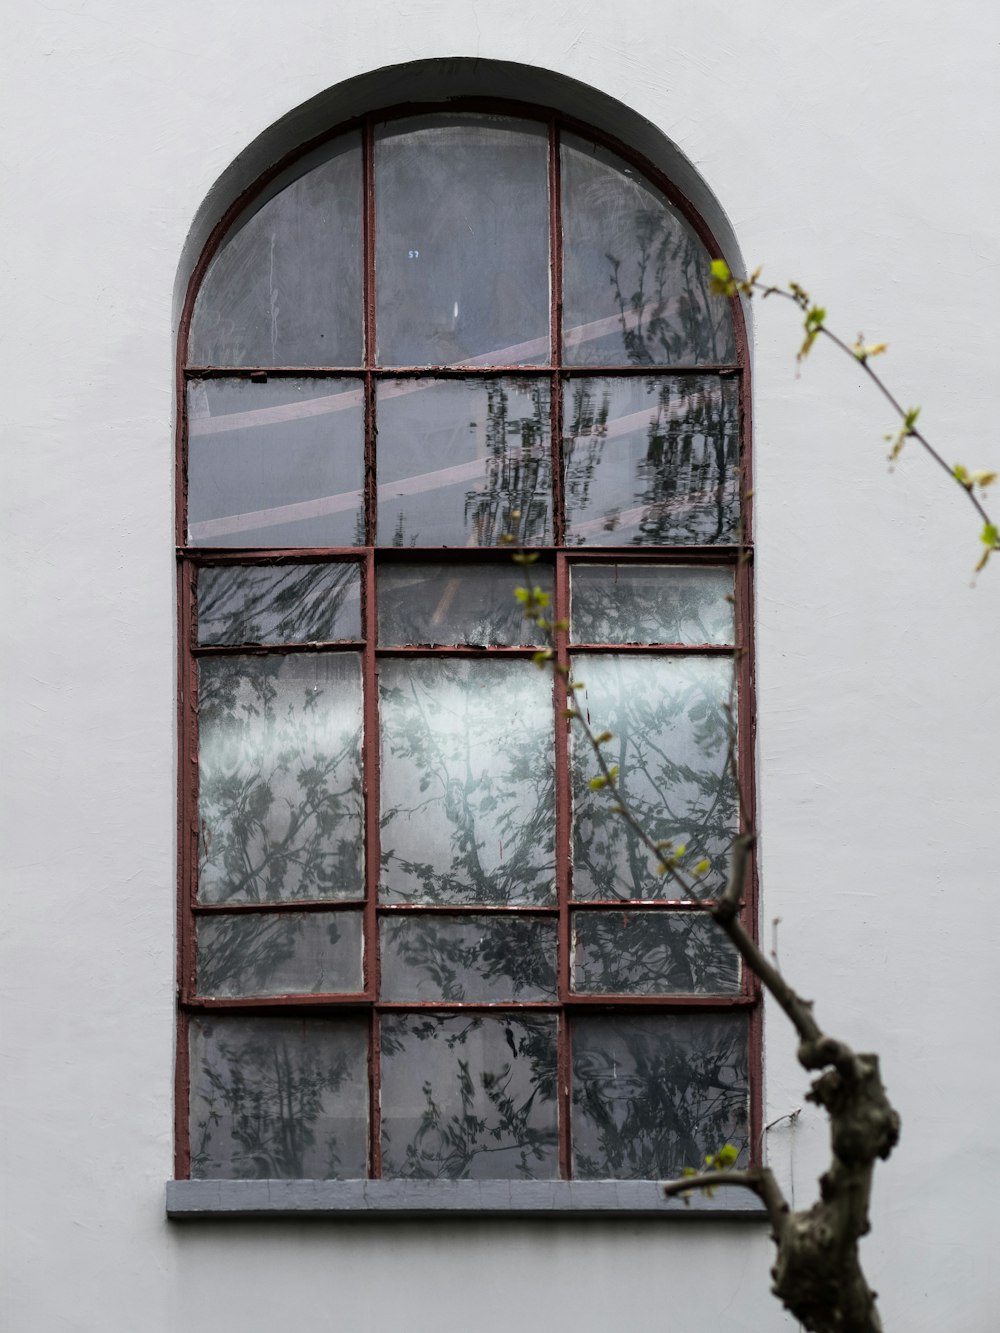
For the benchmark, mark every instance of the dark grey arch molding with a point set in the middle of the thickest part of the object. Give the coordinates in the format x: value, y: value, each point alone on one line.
x: 436, y: 81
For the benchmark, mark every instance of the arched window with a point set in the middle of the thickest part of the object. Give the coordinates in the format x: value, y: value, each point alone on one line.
x: 414, y: 941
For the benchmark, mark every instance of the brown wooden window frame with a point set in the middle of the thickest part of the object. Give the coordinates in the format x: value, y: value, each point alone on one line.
x: 737, y: 558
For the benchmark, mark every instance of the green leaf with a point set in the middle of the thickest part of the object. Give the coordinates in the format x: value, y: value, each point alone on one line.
x: 595, y: 784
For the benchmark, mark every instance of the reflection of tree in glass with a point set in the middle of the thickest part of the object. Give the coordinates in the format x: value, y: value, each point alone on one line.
x: 467, y: 782
x: 671, y: 738
x: 651, y: 604
x: 513, y: 502
x: 462, y: 958
x: 271, y: 954
x: 487, y: 1088
x: 684, y: 489
x: 652, y: 953
x: 671, y: 315
x: 652, y: 1095
x: 278, y: 603
x: 280, y: 780
x: 276, y: 1099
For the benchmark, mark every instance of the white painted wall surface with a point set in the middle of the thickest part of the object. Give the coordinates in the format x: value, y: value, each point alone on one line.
x: 853, y: 147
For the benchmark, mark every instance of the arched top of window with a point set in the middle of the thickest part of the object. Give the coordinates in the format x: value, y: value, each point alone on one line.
x: 458, y: 304
x: 466, y: 236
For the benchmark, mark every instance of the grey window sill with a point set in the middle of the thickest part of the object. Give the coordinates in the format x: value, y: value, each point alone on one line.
x: 194, y: 1199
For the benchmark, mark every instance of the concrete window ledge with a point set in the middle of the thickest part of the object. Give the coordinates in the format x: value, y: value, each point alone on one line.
x: 193, y: 1199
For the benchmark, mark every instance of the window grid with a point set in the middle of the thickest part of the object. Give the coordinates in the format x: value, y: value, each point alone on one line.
x: 370, y: 558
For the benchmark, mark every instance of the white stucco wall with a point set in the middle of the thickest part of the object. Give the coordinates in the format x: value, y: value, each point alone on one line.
x: 854, y: 148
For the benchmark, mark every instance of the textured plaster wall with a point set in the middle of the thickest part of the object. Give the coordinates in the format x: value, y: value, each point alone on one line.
x: 850, y: 146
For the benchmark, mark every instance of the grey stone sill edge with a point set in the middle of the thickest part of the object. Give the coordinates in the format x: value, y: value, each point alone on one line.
x: 193, y: 1199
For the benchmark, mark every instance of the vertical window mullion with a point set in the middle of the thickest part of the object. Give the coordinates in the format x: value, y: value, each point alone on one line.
x: 368, y: 242
x: 563, y: 867
x: 188, y: 853
x: 555, y: 335
x: 370, y: 741
x: 371, y: 753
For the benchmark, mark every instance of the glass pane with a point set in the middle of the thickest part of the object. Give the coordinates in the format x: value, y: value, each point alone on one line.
x: 671, y: 739
x: 651, y: 604
x: 463, y: 462
x: 278, y: 603
x: 285, y: 289
x: 467, y: 782
x: 635, y: 275
x: 457, y: 604
x: 652, y: 953
x: 278, y: 1099
x: 428, y: 956
x: 652, y: 462
x: 469, y: 1097
x: 279, y: 789
x: 275, y: 464
x: 652, y: 1095
x: 291, y: 953
x: 462, y: 241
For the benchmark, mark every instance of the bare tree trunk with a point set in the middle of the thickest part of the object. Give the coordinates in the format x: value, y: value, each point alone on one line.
x: 817, y: 1273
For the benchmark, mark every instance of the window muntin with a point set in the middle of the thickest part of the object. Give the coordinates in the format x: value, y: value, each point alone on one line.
x: 395, y: 873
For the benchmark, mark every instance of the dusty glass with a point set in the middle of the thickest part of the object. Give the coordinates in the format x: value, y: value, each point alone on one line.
x: 284, y: 289
x: 278, y: 1098
x: 467, y: 1096
x: 470, y: 605
x: 462, y: 241
x: 279, y: 792
x: 652, y: 953
x: 651, y: 462
x: 635, y: 275
x: 477, y: 959
x: 653, y: 1094
x: 467, y: 782
x: 274, y: 464
x: 671, y: 743
x: 278, y: 603
x: 281, y: 953
x: 625, y: 603
x: 464, y: 462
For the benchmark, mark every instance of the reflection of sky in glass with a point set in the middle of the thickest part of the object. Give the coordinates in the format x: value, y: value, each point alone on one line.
x: 462, y: 239
x: 279, y: 463
x: 651, y: 462
x: 463, y: 462
x: 467, y: 781
x: 284, y: 289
